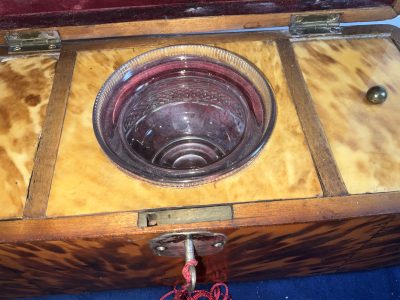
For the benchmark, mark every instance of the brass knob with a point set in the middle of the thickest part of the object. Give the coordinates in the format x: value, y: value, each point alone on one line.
x: 377, y: 94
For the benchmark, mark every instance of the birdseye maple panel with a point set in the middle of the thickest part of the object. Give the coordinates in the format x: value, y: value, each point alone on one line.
x: 86, y: 181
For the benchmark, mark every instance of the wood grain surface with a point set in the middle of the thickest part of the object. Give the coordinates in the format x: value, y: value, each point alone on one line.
x: 18, y: 14
x: 25, y: 85
x: 266, y: 213
x: 85, y: 181
x: 266, y: 239
x: 381, y: 251
x: 331, y: 181
x: 364, y: 138
x: 206, y: 24
x: 47, y: 150
x: 79, y: 265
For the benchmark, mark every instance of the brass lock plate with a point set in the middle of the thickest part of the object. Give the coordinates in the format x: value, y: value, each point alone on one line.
x: 173, y: 244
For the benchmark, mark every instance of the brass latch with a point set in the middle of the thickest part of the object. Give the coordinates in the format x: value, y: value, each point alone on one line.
x: 185, y: 215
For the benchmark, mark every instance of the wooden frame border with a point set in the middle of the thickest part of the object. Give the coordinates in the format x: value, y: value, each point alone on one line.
x: 122, y: 223
x: 263, y: 213
x: 328, y: 173
x: 208, y: 24
x: 164, y: 40
x: 90, y: 13
x: 46, y: 155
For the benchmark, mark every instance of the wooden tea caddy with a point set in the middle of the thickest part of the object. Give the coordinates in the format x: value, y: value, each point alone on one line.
x: 322, y: 197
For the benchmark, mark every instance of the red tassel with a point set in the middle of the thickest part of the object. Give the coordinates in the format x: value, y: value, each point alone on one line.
x: 215, y: 292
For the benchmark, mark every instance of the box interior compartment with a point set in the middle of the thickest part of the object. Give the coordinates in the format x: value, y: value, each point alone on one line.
x: 25, y: 84
x: 364, y: 137
x: 86, y: 182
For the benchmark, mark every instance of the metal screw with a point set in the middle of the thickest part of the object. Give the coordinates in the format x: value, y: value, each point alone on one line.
x: 160, y: 248
x: 218, y: 245
x: 16, y: 48
x: 377, y: 94
x: 52, y: 46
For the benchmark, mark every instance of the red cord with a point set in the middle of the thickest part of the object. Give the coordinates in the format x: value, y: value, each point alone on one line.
x: 186, y: 272
x: 182, y: 294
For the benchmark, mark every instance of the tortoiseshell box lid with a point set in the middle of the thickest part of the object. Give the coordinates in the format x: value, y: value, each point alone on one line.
x: 47, y: 13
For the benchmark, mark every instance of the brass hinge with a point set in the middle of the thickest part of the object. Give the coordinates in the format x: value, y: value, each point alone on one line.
x: 32, y: 41
x: 315, y: 24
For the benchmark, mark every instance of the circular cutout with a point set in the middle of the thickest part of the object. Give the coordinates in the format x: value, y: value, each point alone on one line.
x: 184, y: 115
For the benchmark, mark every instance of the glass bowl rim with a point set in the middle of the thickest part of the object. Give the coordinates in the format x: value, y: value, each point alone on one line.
x: 183, y: 179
